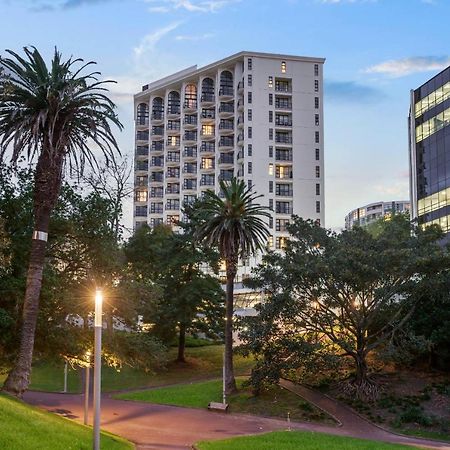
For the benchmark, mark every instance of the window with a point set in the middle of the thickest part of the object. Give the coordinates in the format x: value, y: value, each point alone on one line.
x: 316, y: 85
x: 270, y: 187
x: 139, y: 224
x: 284, y: 189
x: 270, y: 169
x: 270, y: 116
x: 317, y: 207
x: 316, y: 120
x: 249, y: 132
x: 271, y: 222
x: 250, y: 115
x: 172, y: 204
x: 189, y: 199
x: 142, y: 180
x: 271, y: 204
x: 249, y: 167
x: 317, y: 154
x: 270, y: 99
x: 317, y: 171
x: 317, y: 189
x: 283, y: 207
x: 317, y: 137
x: 208, y: 130
x: 249, y: 184
x: 140, y: 211
x: 141, y: 196
x: 271, y: 134
x: 283, y: 66
x: 270, y: 151
x: 249, y: 150
x: 249, y: 80
x: 270, y: 241
x: 280, y: 243
x: 249, y: 64
x: 249, y: 97
x: 281, y: 224
x: 270, y: 82
x: 316, y: 102
x: 316, y: 70
x: 283, y: 154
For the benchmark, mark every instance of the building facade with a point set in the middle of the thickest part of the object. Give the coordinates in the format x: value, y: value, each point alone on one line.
x: 429, y: 145
x: 255, y: 116
x: 373, y: 211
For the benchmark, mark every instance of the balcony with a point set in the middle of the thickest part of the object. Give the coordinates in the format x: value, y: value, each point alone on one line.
x: 190, y: 137
x: 284, y: 175
x: 226, y: 158
x: 226, y: 92
x: 190, y: 121
x: 283, y: 87
x: 190, y: 185
x: 190, y: 152
x: 208, y: 147
x: 240, y: 87
x: 173, y: 174
x: 190, y: 169
x: 142, y: 150
x: 173, y: 189
x: 283, y: 155
x: 207, y: 135
x: 240, y: 105
x: 283, y: 104
x: 207, y: 98
x: 240, y: 122
x: 157, y: 162
x: 226, y: 109
x: 208, y: 115
x: 226, y: 127
x: 173, y: 143
x: 157, y: 147
x: 283, y: 123
x: 173, y: 127
x: 173, y: 206
x: 210, y: 181
x: 157, y: 117
x: 190, y: 105
x: 240, y: 154
x: 142, y: 136
x: 173, y: 111
x: 240, y: 139
x: 226, y: 142
x: 283, y: 138
x: 173, y: 158
x: 141, y: 165
x: 226, y: 176
x: 156, y: 177
x: 156, y: 209
x: 156, y: 193
x: 158, y: 133
x: 142, y: 122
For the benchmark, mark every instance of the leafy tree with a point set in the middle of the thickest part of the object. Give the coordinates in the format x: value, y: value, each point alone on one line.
x: 235, y: 226
x: 343, y: 295
x: 190, y: 296
x: 55, y: 115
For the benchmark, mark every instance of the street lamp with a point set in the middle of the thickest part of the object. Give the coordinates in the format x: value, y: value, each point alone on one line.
x: 97, y: 366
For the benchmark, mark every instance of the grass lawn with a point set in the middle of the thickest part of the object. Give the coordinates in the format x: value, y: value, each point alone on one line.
x: 276, y: 402
x: 202, y: 363
x: 26, y: 428
x: 294, y: 440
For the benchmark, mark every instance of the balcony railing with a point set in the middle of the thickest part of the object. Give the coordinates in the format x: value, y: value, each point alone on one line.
x: 208, y: 98
x: 191, y: 153
x: 226, y: 107
x: 156, y: 210
x: 141, y: 165
x: 225, y: 176
x: 173, y: 158
x: 283, y: 105
x: 173, y: 142
x: 172, y: 206
x: 190, y: 120
x: 190, y: 186
x: 157, y: 177
x: 157, y: 115
x: 173, y: 126
x: 156, y: 194
x: 173, y: 189
x: 283, y: 123
x: 283, y: 87
x: 170, y: 174
x: 190, y: 104
x: 226, y: 91
x: 226, y: 159
x: 226, y: 125
x: 226, y: 142
x: 283, y: 139
x: 142, y: 150
x: 240, y: 85
x: 208, y: 114
x: 158, y: 131
x: 207, y: 182
x: 175, y: 110
x: 190, y: 136
x: 207, y: 147
x: 157, y: 163
x: 157, y: 147
x: 190, y: 169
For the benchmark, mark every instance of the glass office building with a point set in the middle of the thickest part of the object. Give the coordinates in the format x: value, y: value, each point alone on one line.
x: 429, y: 144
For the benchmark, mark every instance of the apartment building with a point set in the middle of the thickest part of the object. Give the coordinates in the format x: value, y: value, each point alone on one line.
x: 370, y: 213
x: 255, y: 116
x: 429, y: 151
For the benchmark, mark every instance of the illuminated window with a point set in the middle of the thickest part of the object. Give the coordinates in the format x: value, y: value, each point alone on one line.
x: 270, y: 242
x: 270, y: 82
x: 281, y: 243
x: 207, y: 130
x: 207, y: 163
x: 283, y: 66
x: 433, y: 125
x: 270, y: 169
x: 141, y: 196
x: 441, y: 94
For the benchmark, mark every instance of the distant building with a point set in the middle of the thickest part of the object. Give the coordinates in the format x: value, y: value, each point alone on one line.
x: 374, y: 211
x: 429, y: 149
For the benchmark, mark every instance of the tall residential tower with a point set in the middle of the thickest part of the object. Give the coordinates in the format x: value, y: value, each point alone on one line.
x: 255, y: 116
x: 429, y: 143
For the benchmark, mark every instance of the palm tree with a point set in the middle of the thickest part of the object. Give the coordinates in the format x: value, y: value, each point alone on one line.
x: 236, y: 227
x: 56, y: 116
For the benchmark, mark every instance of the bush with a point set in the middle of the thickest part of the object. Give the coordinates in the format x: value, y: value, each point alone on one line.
x: 416, y: 415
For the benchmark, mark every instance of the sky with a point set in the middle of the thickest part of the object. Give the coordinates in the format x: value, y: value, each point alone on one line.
x: 376, y: 51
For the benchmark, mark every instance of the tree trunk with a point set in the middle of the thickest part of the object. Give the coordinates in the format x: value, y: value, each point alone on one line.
x: 48, y: 179
x: 230, y: 382
x: 181, y: 343
x: 361, y: 369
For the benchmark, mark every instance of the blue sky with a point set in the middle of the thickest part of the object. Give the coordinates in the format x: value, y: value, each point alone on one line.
x: 376, y: 50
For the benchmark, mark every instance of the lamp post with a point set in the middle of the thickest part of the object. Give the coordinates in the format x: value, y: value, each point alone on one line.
x: 97, y: 366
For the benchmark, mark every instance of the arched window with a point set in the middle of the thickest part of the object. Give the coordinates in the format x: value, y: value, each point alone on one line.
x: 190, y: 96
x: 207, y: 90
x: 226, y: 83
x: 142, y: 114
x: 158, y: 108
x: 173, y: 103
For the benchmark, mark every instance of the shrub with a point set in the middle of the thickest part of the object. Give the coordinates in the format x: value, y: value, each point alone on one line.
x: 416, y: 415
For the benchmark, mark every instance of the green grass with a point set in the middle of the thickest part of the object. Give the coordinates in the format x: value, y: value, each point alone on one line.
x: 275, y: 402
x: 294, y: 440
x: 27, y: 428
x: 202, y: 363
x: 424, y: 434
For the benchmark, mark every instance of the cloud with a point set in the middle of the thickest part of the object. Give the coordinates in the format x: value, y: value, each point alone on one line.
x: 149, y: 41
x: 397, y: 68
x: 202, y: 6
x: 199, y: 37
x: 351, y: 92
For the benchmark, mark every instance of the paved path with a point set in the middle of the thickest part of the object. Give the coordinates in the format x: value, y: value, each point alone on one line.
x: 160, y: 427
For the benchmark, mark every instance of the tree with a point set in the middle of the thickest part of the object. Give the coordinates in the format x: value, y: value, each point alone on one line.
x: 190, y: 296
x: 235, y: 226
x: 55, y: 115
x: 345, y: 294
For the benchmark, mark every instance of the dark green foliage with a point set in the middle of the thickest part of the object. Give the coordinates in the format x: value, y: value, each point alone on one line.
x: 415, y: 414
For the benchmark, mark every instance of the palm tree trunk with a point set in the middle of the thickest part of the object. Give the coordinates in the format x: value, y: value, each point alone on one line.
x: 48, y: 179
x: 181, y: 343
x: 230, y: 382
